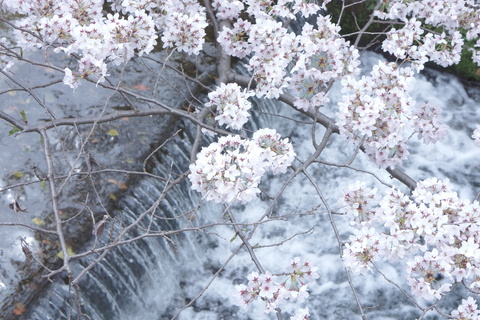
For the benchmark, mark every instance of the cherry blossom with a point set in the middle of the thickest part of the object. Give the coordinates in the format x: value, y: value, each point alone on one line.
x: 228, y: 9
x: 70, y: 80
x: 363, y: 248
x: 88, y: 67
x: 302, y: 314
x: 232, y: 105
x: 373, y: 111
x: 275, y: 292
x: 324, y: 57
x: 425, y: 273
x: 411, y: 41
x: 185, y: 32
x: 235, y: 40
x: 301, y: 273
x: 467, y: 310
x: 433, y: 230
x: 307, y: 8
x: 274, y: 47
x: 278, y: 154
x: 358, y: 201
x: 428, y: 122
x: 230, y: 170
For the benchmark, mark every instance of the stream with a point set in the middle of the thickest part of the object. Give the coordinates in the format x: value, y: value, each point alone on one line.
x: 153, y: 278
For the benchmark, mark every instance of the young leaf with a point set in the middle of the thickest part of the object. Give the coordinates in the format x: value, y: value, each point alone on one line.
x: 14, y: 130
x: 18, y: 174
x: 38, y: 221
x: 24, y: 116
x: 112, y: 132
x: 69, y: 251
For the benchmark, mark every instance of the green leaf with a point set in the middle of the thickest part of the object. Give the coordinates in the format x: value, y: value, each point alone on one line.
x: 112, y: 132
x: 24, y: 116
x: 69, y: 252
x: 18, y: 174
x: 14, y: 130
x: 43, y: 185
x: 233, y: 238
x: 38, y: 221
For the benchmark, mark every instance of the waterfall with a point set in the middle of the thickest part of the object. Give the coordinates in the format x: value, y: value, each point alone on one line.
x: 455, y: 158
x: 151, y: 279
x: 115, y: 288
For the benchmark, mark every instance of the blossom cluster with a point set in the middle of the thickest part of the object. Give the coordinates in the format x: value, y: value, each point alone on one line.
x: 442, y: 47
x: 186, y: 33
x: 428, y: 123
x: 277, y: 153
x: 230, y: 170
x: 468, y: 310
x: 274, y: 292
x: 87, y: 67
x: 379, y: 112
x: 232, y: 105
x: 274, y: 49
x: 303, y: 64
x: 227, y: 9
x: 434, y: 230
x: 302, y: 314
x: 78, y: 27
x: 181, y: 22
x: 235, y: 41
x: 360, y: 203
x: 324, y: 57
x: 410, y: 42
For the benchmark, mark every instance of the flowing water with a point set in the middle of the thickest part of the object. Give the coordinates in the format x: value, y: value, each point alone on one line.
x: 21, y: 153
x: 152, y: 278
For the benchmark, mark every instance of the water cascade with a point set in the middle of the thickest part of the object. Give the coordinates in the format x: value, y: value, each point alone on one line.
x: 153, y: 279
